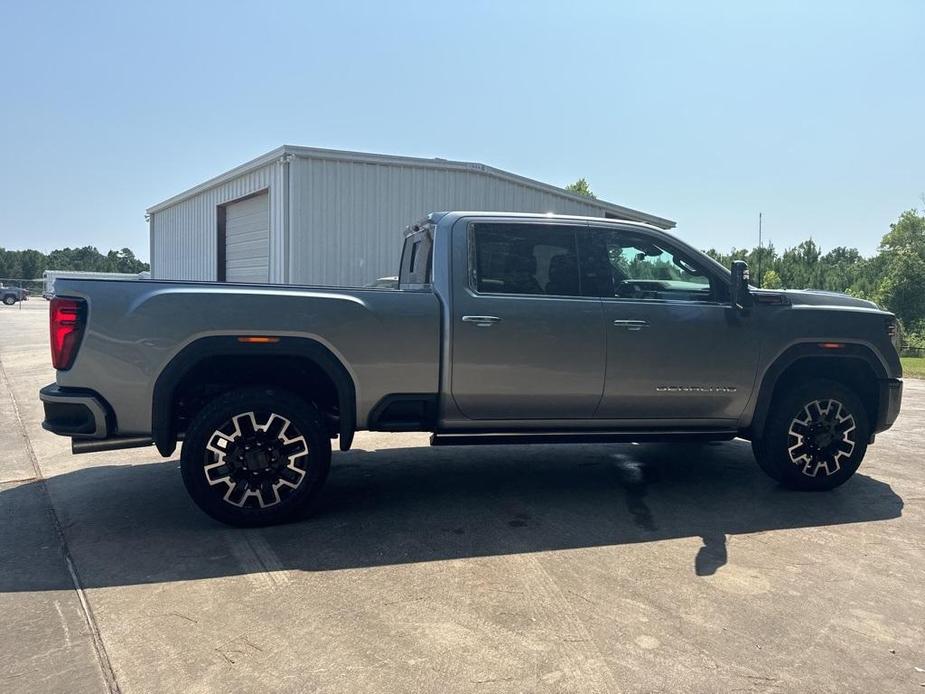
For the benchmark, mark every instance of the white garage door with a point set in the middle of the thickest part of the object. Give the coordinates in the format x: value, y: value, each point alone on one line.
x: 247, y: 240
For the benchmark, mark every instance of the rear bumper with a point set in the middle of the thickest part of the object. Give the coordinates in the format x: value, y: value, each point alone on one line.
x: 891, y: 395
x: 75, y: 412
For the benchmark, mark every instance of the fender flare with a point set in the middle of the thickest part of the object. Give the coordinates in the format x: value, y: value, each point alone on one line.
x: 801, y: 351
x: 163, y: 430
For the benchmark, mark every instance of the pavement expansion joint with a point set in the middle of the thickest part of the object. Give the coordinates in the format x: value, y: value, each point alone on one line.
x: 99, y: 647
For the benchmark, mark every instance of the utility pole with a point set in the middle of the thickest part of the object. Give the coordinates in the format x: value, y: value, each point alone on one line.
x: 759, y: 249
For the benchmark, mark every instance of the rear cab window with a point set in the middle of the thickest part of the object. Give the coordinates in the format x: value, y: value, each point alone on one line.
x: 416, y: 269
x: 524, y: 259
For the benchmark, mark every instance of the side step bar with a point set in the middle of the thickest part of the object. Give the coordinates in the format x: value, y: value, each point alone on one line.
x: 491, y: 439
x: 111, y: 444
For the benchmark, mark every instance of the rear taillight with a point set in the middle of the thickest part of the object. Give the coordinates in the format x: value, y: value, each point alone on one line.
x: 67, y: 318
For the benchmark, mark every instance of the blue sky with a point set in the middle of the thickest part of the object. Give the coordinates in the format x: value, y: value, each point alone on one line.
x: 707, y: 113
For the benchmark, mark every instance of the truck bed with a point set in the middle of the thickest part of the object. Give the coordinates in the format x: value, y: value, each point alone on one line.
x: 388, y: 340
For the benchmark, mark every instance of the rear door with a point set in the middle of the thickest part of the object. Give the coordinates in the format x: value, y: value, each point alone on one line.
x: 525, y: 343
x: 676, y: 350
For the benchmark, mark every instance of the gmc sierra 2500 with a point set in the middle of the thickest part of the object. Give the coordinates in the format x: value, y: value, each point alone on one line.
x: 503, y: 328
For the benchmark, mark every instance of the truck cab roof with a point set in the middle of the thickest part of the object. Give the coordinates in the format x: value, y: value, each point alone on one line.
x: 437, y: 217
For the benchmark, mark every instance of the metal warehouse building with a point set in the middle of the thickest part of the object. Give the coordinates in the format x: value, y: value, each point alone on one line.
x: 302, y: 215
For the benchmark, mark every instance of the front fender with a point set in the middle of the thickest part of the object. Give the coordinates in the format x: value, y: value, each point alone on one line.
x: 807, y: 350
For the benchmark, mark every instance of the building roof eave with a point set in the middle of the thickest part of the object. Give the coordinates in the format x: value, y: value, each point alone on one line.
x: 620, y: 211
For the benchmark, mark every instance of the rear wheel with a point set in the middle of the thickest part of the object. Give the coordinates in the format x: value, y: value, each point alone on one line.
x: 9, y: 299
x: 255, y: 457
x: 815, y: 437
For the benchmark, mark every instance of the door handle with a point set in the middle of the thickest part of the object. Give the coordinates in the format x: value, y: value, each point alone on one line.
x: 482, y: 321
x: 632, y: 325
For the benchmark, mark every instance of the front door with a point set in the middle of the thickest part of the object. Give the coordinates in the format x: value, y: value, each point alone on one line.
x: 675, y: 349
x: 525, y: 343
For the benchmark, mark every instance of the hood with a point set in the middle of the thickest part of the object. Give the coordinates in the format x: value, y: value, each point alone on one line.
x: 814, y: 297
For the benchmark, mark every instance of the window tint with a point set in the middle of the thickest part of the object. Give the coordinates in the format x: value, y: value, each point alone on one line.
x: 633, y: 266
x: 523, y: 259
x: 416, y: 259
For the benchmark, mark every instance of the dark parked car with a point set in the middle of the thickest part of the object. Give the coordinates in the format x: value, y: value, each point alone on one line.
x: 10, y: 295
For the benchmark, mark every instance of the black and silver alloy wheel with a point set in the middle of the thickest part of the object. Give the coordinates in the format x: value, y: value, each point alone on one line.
x: 822, y: 437
x: 255, y: 456
x: 815, y: 436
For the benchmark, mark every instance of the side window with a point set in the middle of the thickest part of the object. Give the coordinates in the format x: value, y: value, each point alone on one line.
x: 415, y: 270
x: 523, y: 259
x: 629, y: 265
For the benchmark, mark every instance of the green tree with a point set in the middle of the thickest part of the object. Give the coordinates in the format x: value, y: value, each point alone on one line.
x: 907, y: 232
x: 30, y: 264
x: 902, y: 289
x: 124, y: 261
x: 581, y: 187
x: 902, y: 279
x: 841, y: 269
x: 799, y: 266
x: 760, y: 261
x: 771, y: 280
x: 725, y: 259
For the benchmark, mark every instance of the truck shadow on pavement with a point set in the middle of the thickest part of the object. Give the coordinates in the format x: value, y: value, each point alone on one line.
x: 133, y: 524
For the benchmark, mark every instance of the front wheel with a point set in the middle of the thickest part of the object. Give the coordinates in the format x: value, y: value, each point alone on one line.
x: 9, y: 300
x: 255, y: 456
x: 815, y: 437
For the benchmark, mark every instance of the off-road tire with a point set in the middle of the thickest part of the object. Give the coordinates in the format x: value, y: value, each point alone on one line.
x: 815, y: 436
x: 234, y: 482
x: 769, y: 468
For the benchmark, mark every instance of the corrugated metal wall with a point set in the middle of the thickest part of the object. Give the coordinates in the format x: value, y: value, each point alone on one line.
x: 184, y: 237
x: 348, y: 217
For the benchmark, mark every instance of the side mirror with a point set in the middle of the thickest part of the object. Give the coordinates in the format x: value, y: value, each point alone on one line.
x: 741, y: 296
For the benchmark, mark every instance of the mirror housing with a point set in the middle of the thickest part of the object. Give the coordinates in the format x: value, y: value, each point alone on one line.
x: 740, y: 295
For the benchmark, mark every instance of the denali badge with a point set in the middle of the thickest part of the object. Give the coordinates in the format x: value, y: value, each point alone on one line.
x: 695, y: 389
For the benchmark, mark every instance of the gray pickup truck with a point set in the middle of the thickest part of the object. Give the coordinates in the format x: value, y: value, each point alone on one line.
x: 504, y: 328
